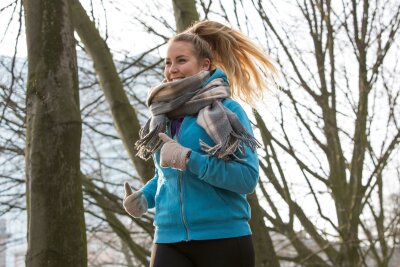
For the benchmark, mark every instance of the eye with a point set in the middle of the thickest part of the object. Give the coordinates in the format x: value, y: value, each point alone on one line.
x: 182, y: 60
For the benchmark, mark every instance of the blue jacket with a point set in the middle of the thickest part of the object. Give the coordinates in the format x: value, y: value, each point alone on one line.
x: 208, y: 199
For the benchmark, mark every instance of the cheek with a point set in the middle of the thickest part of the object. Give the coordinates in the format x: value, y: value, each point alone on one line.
x: 192, y: 69
x: 166, y: 73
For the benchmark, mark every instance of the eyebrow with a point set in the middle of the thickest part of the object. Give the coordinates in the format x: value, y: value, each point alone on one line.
x: 180, y: 56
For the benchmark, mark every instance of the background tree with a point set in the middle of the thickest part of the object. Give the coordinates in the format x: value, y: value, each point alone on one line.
x: 56, y: 226
x: 335, y: 108
x: 185, y: 13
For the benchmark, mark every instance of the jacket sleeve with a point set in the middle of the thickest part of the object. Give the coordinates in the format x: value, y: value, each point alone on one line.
x: 149, y: 190
x: 240, y: 176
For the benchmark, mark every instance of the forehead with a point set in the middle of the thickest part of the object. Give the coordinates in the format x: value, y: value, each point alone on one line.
x: 180, y: 48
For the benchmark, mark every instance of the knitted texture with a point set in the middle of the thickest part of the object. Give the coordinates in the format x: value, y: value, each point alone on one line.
x: 134, y: 203
x: 173, y: 154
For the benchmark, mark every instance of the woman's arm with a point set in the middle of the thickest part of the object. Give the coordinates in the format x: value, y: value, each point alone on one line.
x: 240, y: 176
x: 149, y: 190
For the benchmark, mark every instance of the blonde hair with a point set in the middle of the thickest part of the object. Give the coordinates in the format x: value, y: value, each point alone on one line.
x: 249, y: 70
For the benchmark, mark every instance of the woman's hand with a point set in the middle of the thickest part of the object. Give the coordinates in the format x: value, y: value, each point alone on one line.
x: 135, y: 203
x: 173, y: 154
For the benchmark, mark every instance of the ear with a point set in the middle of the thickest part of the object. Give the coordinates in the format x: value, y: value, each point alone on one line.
x: 206, y: 64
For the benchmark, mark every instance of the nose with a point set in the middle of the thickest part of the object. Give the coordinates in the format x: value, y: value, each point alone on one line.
x: 173, y: 68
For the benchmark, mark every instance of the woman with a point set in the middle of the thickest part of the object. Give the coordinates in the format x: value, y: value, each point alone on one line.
x: 203, y: 148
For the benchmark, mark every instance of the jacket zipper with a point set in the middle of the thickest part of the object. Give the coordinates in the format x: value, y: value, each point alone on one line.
x: 185, y: 225
x: 182, y: 206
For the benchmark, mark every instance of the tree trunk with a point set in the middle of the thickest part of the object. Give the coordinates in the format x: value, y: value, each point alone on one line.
x: 56, y: 225
x: 185, y: 13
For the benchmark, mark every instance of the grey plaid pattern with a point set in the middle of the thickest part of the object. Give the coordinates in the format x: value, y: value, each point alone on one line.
x: 190, y: 96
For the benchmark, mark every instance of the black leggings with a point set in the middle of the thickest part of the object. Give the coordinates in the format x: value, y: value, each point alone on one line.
x: 227, y: 252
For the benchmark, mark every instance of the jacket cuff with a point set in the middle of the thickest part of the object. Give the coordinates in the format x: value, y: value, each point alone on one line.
x: 149, y: 197
x: 197, y: 163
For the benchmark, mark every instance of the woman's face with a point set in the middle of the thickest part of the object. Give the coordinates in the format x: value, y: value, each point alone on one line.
x: 181, y: 61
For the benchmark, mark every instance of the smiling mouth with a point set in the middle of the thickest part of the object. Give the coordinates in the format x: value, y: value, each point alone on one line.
x: 178, y: 78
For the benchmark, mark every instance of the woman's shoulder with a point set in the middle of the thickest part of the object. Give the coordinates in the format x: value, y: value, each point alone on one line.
x: 239, y: 111
x: 232, y: 104
x: 236, y: 108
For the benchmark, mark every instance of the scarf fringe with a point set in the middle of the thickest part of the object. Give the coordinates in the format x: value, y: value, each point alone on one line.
x: 149, y: 141
x: 235, y: 141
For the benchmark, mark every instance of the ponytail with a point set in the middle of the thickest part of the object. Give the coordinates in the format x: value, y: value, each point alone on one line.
x: 249, y: 70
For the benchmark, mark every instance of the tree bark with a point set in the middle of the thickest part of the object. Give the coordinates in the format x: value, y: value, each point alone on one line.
x: 56, y: 225
x: 185, y: 13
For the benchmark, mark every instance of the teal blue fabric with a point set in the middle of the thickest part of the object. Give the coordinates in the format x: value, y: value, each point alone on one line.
x: 208, y: 199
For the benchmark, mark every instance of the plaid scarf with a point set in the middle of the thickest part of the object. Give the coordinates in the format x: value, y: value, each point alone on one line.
x: 199, y: 94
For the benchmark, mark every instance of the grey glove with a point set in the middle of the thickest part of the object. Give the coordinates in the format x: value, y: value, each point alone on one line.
x: 135, y: 203
x: 173, y: 154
